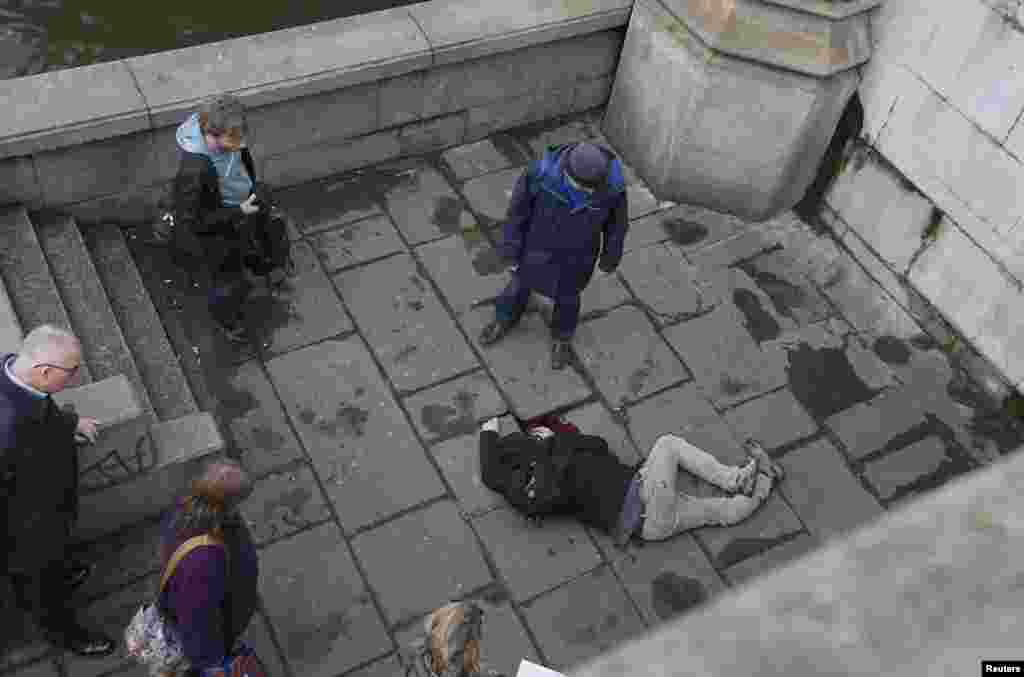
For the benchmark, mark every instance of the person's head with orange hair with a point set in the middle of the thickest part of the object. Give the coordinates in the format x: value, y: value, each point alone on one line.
x: 215, y: 496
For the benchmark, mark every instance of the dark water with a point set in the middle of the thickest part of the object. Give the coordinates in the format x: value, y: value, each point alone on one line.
x: 44, y: 35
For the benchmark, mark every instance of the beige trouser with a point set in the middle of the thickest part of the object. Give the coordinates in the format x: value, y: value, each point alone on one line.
x: 669, y: 512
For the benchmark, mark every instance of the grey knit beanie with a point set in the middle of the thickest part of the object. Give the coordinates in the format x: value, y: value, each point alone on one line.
x: 588, y: 165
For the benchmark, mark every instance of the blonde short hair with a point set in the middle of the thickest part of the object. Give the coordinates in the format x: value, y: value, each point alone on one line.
x: 440, y: 625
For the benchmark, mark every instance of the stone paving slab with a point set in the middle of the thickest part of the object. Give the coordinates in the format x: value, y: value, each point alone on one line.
x: 404, y: 322
x: 305, y: 311
x: 423, y: 205
x: 521, y: 364
x: 120, y: 559
x: 678, y: 411
x: 824, y: 492
x: 530, y: 558
x: 775, y: 419
x: 459, y: 460
x: 44, y: 668
x: 284, y: 503
x: 356, y: 242
x: 652, y: 573
x: 111, y: 615
x: 258, y: 637
x: 626, y: 358
x: 489, y: 195
x: 688, y: 227
x: 735, y: 289
x: 386, y: 667
x: 583, y: 619
x: 456, y: 407
x: 725, y: 360
x: 595, y: 419
x: 358, y: 439
x: 474, y: 159
x: 791, y: 292
x: 741, y: 245
x: 320, y: 205
x: 466, y: 268
x: 605, y: 292
x: 505, y: 642
x: 775, y: 557
x: 773, y: 521
x: 257, y: 421
x: 319, y: 605
x: 421, y: 560
x: 869, y: 426
x: 664, y: 282
x: 898, y: 470
x: 641, y: 201
x: 540, y: 135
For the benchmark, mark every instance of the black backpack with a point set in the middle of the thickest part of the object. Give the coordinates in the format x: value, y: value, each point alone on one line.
x: 537, y: 490
x: 267, y: 248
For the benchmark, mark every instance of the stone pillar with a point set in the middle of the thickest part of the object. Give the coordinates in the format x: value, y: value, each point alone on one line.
x: 730, y: 104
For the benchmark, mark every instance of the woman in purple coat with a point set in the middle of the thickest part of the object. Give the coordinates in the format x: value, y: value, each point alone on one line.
x: 212, y: 594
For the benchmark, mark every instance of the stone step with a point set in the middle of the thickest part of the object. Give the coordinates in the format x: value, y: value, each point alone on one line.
x: 159, y: 367
x: 30, y: 285
x: 11, y: 332
x: 179, y: 448
x: 104, y: 347
x: 155, y: 268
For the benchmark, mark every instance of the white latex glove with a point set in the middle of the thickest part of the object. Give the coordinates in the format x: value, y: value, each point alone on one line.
x: 494, y: 425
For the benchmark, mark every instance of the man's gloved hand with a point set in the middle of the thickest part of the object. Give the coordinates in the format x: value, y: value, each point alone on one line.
x: 494, y: 425
x: 248, y: 207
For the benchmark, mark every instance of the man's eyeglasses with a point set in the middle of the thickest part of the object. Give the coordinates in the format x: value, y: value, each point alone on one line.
x: 70, y: 370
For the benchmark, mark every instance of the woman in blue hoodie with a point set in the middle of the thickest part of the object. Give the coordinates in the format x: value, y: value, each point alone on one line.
x: 214, y: 199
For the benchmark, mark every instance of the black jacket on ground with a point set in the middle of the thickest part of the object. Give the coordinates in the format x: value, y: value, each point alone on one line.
x: 38, y: 478
x: 204, y: 227
x: 595, y: 480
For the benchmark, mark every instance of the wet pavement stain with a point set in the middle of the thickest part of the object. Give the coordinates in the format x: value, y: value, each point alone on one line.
x: 731, y: 386
x: 265, y: 438
x: 307, y: 416
x: 443, y: 420
x: 740, y: 549
x: 404, y: 353
x: 924, y: 341
x: 314, y: 643
x: 360, y: 391
x: 235, y: 402
x: 584, y: 635
x: 552, y: 552
x: 891, y: 350
x: 824, y: 381
x: 488, y: 262
x: 293, y: 501
x: 496, y: 595
x: 672, y: 594
x: 416, y: 305
x: 684, y: 232
x: 418, y: 282
x: 447, y: 213
x: 352, y: 419
x: 758, y: 321
x: 640, y: 376
x: 784, y: 295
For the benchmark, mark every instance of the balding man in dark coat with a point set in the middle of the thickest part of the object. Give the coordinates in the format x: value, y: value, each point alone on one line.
x: 39, y: 486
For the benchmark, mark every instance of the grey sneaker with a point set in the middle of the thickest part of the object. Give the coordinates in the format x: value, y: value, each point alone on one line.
x: 765, y: 462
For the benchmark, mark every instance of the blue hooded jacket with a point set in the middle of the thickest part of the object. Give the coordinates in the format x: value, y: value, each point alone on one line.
x: 556, y: 234
x: 235, y: 183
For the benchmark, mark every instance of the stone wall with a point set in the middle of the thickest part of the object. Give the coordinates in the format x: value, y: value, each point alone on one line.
x: 97, y: 142
x: 929, y: 198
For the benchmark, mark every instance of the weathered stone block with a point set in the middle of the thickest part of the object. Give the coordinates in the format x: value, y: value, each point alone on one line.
x: 473, y: 159
x: 998, y: 332
x: 533, y: 559
x: 772, y: 522
x: 489, y: 195
x: 663, y: 281
x: 774, y: 420
x: 580, y: 620
x: 594, y: 419
x: 357, y: 242
x: 467, y: 268
x: 626, y: 357
x: 459, y: 460
x: 19, y: 182
x: 899, y: 469
x: 869, y: 426
x: 434, y: 134
x: 824, y: 492
x: 422, y: 204
x: 323, y: 205
x: 316, y: 162
x: 592, y: 93
x: 364, y: 451
x: 538, y: 105
x: 284, y: 503
x: 721, y: 151
x: 401, y: 561
x: 322, y: 612
x: 773, y: 558
x: 456, y: 407
x: 412, y: 334
x: 314, y: 120
x: 679, y: 411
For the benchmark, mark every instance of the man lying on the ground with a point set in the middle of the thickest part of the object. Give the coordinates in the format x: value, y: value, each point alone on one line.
x: 545, y: 472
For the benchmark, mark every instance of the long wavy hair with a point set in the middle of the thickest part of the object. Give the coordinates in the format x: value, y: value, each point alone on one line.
x: 441, y: 624
x: 212, y: 502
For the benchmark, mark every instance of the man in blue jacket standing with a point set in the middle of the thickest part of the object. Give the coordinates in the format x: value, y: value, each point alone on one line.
x: 568, y: 213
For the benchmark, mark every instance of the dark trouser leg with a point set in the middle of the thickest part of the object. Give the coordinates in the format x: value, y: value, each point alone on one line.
x: 566, y: 317
x: 228, y: 290
x: 44, y: 595
x: 511, y: 303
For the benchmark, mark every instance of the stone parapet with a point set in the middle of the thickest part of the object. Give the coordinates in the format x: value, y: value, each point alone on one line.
x: 931, y: 588
x: 97, y: 142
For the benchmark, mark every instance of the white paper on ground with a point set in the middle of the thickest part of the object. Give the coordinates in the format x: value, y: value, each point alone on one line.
x: 528, y: 669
